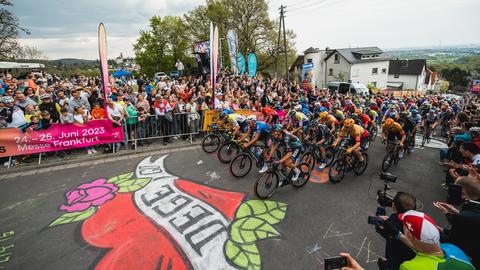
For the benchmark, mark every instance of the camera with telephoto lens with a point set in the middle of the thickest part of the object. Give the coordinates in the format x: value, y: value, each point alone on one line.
x: 383, y: 198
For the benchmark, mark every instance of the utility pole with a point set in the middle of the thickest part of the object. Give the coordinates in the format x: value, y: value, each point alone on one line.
x: 281, y: 27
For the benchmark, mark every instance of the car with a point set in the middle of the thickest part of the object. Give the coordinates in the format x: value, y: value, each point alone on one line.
x: 345, y: 87
x: 161, y: 76
x: 174, y: 74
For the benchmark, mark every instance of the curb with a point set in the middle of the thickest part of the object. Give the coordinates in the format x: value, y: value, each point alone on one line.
x: 102, y: 157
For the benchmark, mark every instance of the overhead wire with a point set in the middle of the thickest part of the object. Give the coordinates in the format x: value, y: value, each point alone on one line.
x: 329, y: 4
x: 309, y: 5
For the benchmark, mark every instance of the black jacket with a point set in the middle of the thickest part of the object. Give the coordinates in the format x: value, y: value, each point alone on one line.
x: 465, y: 231
x: 395, y: 251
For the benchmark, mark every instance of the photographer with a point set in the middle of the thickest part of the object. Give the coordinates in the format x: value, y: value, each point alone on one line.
x: 465, y: 223
x: 395, y: 251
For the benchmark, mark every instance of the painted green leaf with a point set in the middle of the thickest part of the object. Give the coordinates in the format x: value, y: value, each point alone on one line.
x: 270, y: 211
x: 120, y: 178
x: 247, y: 230
x: 132, y: 184
x: 73, y: 217
x: 243, y: 256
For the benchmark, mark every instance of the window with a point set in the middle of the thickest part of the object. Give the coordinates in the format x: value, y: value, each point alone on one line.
x: 330, y: 72
x: 374, y: 71
x: 355, y: 73
x: 310, y: 60
x: 396, y: 76
x: 374, y: 84
x: 337, y: 59
x: 384, y: 70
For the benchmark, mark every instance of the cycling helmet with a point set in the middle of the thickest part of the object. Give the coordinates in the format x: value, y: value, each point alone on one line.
x: 413, y: 107
x: 414, y: 112
x: 323, y: 115
x: 222, y: 115
x: 7, y: 99
x: 372, y: 103
x: 404, y: 114
x: 389, y: 122
x: 44, y: 96
x: 392, y: 114
x: 323, y: 109
x: 358, y: 112
x: 324, y: 100
x: 317, y: 104
x: 251, y: 118
x: 277, y: 127
x: 349, y: 122
x: 298, y: 107
x: 292, y: 113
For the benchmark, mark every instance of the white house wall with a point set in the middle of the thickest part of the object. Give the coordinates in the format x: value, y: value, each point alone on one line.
x: 318, y: 69
x: 342, y: 66
x: 409, y: 81
x: 365, y: 75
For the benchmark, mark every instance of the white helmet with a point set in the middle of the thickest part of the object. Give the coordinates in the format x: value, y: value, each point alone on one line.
x: 298, y: 107
x: 251, y: 118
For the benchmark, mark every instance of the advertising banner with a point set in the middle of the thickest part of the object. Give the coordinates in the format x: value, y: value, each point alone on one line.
x: 102, y: 50
x: 211, y: 117
x: 14, y: 142
x: 252, y: 65
x: 241, y: 65
x: 213, y: 58
x: 308, y: 78
x: 232, y: 49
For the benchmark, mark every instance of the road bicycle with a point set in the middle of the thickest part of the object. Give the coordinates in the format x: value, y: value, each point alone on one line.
x: 241, y: 164
x: 392, y: 155
x: 228, y: 150
x: 372, y: 132
x: 313, y: 155
x: 427, y: 132
x: 214, y: 139
x: 345, y: 163
x: 277, y: 177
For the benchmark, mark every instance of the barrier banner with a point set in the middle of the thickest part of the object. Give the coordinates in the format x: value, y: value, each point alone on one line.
x: 14, y: 142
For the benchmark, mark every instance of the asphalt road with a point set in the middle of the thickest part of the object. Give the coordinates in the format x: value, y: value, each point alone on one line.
x: 321, y: 219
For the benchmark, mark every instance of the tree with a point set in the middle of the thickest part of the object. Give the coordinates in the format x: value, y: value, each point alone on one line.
x: 157, y: 48
x: 256, y: 32
x: 32, y: 53
x: 341, y: 76
x: 9, y: 32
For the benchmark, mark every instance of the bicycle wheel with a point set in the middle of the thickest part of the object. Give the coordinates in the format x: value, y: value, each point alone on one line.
x: 227, y: 151
x: 359, y: 168
x: 424, y: 140
x: 211, y: 143
x: 241, y: 165
x: 266, y: 185
x: 337, y: 171
x: 373, y: 134
x: 329, y: 156
x: 309, y: 158
x: 304, y: 175
x: 387, y: 162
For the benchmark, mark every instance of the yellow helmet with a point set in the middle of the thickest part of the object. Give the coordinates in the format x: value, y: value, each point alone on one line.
x: 348, y: 123
x: 323, y: 115
x: 389, y: 122
x: 358, y: 111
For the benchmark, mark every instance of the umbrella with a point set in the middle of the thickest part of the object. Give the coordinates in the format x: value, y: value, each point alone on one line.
x: 121, y: 73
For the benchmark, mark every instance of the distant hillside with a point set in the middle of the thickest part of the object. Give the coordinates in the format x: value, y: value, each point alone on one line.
x: 73, y: 61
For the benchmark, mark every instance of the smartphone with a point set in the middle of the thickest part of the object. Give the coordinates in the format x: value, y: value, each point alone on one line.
x: 373, y: 220
x: 335, y: 263
x: 380, y: 211
x: 454, y: 194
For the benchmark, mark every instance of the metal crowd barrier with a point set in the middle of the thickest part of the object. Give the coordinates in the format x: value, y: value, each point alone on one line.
x: 138, y: 129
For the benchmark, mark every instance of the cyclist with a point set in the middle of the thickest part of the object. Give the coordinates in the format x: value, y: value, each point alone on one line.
x: 364, y: 119
x: 259, y: 131
x: 322, y: 138
x: 299, y: 121
x: 372, y: 114
x: 293, y: 148
x: 358, y: 137
x: 408, y: 124
x: 236, y: 121
x: 271, y: 116
x: 393, y: 131
x: 329, y: 120
x: 430, y: 121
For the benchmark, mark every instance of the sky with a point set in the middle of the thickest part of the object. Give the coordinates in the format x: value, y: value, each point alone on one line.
x: 68, y: 29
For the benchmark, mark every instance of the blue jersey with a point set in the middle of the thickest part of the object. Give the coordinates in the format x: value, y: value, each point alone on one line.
x: 262, y: 128
x: 227, y: 111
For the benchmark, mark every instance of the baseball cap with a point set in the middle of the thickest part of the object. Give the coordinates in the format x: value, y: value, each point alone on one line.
x: 421, y: 226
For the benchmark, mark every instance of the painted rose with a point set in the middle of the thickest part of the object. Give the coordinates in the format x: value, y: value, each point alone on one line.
x: 84, y: 196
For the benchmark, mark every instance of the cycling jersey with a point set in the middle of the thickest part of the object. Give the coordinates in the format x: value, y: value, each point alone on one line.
x: 235, y: 119
x: 356, y: 132
x: 431, y: 118
x: 454, y: 259
x: 365, y: 120
x: 338, y: 114
x: 409, y: 124
x: 329, y: 120
x: 290, y: 141
x: 322, y: 133
x: 396, y: 128
x: 269, y: 111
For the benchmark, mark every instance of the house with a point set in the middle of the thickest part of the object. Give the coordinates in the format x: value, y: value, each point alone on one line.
x: 408, y: 74
x: 431, y: 80
x: 295, y: 69
x: 367, y: 65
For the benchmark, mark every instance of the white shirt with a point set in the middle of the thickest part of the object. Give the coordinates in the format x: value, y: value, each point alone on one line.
x: 476, y: 160
x: 116, y: 111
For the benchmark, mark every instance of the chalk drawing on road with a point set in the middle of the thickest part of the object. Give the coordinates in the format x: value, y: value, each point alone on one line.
x: 313, y: 249
x: 195, y: 226
x: 331, y: 232
x: 6, y: 249
x: 200, y: 162
x: 213, y: 176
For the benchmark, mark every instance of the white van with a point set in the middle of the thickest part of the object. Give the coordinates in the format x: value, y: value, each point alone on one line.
x: 351, y: 88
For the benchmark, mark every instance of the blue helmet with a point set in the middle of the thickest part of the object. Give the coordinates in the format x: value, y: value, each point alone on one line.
x: 277, y: 127
x: 222, y: 115
x: 414, y: 112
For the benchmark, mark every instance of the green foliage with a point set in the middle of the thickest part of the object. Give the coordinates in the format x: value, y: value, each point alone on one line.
x: 126, y: 184
x: 250, y: 229
x: 73, y: 217
x: 243, y: 256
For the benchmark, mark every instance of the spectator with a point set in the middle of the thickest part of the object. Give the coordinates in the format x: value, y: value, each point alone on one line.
x: 66, y: 117
x: 131, y: 114
x: 80, y: 118
x: 49, y: 106
x: 464, y: 223
x: 97, y: 111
